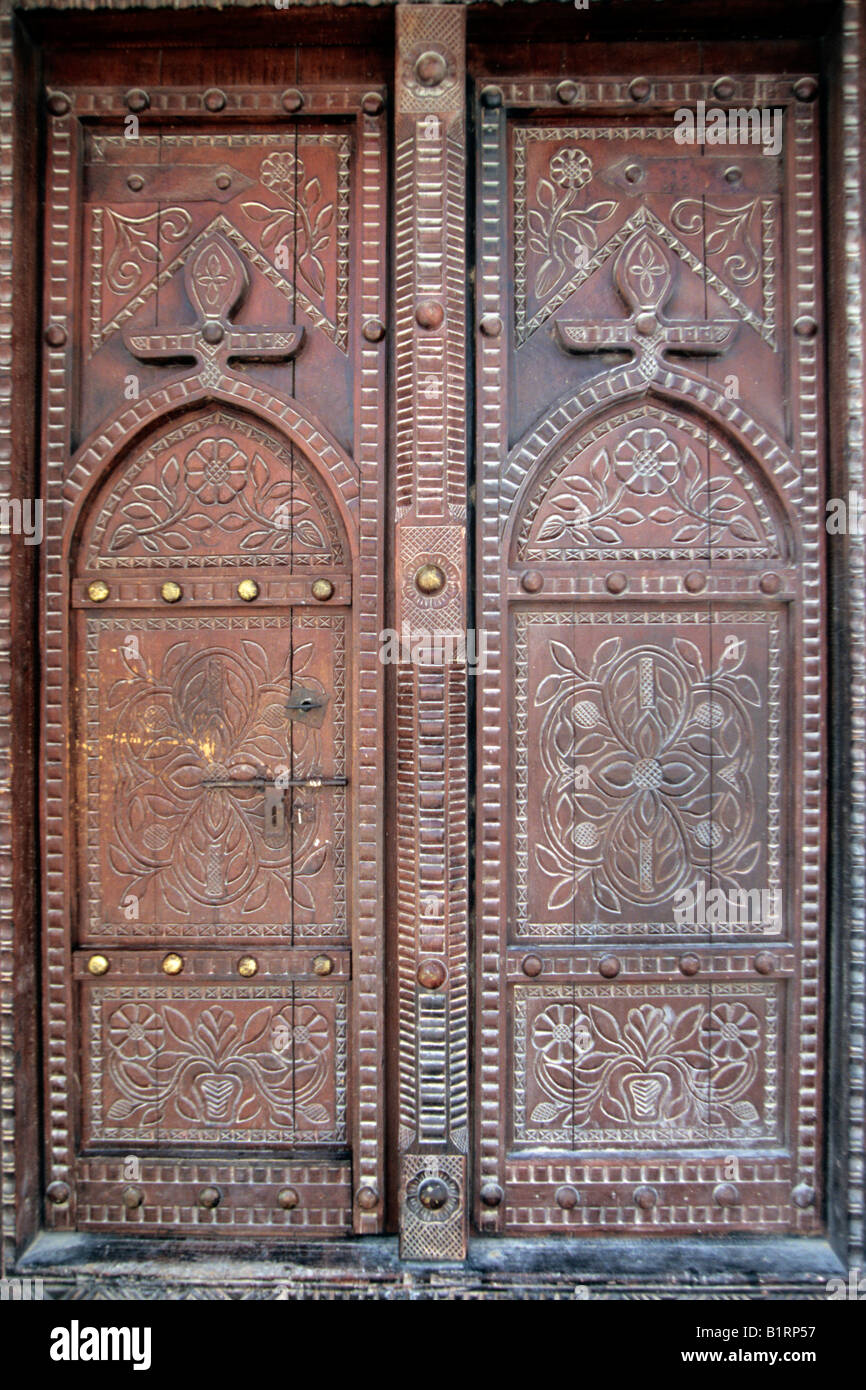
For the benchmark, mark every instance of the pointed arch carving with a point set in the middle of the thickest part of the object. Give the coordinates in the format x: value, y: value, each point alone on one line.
x: 646, y: 470
x: 757, y: 477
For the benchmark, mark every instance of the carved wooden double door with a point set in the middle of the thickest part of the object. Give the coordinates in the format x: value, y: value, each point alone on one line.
x: 259, y: 1011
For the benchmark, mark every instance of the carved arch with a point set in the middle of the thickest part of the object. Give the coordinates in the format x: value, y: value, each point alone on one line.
x: 330, y: 470
x: 768, y: 480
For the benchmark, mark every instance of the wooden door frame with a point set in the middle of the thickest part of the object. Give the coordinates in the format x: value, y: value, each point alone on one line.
x: 623, y: 1266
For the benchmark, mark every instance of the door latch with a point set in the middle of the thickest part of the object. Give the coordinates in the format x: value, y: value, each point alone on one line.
x: 307, y: 706
x: 274, y: 789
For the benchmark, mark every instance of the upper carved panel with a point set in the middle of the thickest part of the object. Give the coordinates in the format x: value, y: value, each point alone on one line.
x: 579, y: 195
x: 215, y: 490
x: 282, y: 200
x: 646, y: 484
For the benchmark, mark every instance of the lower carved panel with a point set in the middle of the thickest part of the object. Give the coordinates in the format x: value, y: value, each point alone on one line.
x: 215, y: 1064
x: 646, y: 1064
x: 195, y: 1197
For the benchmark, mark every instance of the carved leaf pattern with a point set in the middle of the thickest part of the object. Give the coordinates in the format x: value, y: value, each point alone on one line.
x: 727, y: 229
x: 137, y: 245
x: 647, y: 1067
x: 209, y: 715
x: 300, y: 224
x: 217, y: 1069
x: 667, y: 752
x: 562, y: 230
x: 648, y: 475
x: 215, y: 481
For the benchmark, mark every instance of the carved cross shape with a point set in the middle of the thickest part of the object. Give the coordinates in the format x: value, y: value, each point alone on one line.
x: 644, y: 276
x: 216, y: 281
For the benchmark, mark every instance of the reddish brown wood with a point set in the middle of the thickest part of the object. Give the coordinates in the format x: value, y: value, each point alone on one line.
x: 650, y: 553
x: 212, y: 798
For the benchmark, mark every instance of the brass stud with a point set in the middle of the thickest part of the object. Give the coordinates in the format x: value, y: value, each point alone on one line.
x: 633, y: 173
x: 213, y: 332
x: 491, y: 325
x: 733, y: 174
x: 322, y: 589
x: 292, y: 99
x: 58, y: 103
x: 214, y: 99
x: 97, y: 592
x: 172, y: 963
x: 433, y: 1194
x: 431, y: 974
x: 248, y: 589
x: 805, y: 326
x: 491, y: 97
x: 288, y: 1198
x: 58, y: 1193
x: 132, y: 1198
x: 209, y: 1197
x: 725, y: 1194
x: 170, y: 591
x: 532, y: 581
x: 247, y: 967
x: 770, y: 583
x: 567, y: 1197
x: 367, y: 1198
x: 805, y: 89
x: 689, y: 964
x: 639, y: 89
x: 430, y: 69
x: 372, y: 103
x: 609, y: 967
x: 430, y: 315
x: 55, y: 335
x: 223, y: 181
x: 803, y: 1195
x: 695, y: 582
x: 374, y: 330
x: 137, y: 99
x: 531, y: 966
x: 492, y: 1194
x: 763, y: 963
x: 98, y: 965
x: 616, y: 583
x: 566, y: 92
x: 430, y: 579
x: 645, y: 1197
x: 323, y: 965
x: 135, y: 183
x: 724, y: 88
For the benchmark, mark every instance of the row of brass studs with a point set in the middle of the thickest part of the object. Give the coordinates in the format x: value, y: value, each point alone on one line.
x: 173, y: 964
x: 617, y: 583
x: 209, y: 1197
x: 248, y: 590
x: 609, y: 966
x: 725, y: 1194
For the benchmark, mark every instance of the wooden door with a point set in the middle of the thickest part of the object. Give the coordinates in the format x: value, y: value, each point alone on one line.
x: 651, y: 722
x: 213, y: 587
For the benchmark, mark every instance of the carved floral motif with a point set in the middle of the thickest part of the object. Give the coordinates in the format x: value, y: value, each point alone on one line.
x: 301, y: 221
x: 199, y: 717
x: 217, y: 1068
x: 666, y: 746
x: 646, y: 1066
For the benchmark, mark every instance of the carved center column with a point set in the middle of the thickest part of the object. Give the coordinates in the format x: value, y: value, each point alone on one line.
x: 431, y: 611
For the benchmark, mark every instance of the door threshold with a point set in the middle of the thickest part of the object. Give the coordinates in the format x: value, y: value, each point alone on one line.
x: 92, y: 1266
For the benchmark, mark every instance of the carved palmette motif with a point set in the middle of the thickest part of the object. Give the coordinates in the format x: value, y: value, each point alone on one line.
x: 217, y: 1019
x: 650, y: 832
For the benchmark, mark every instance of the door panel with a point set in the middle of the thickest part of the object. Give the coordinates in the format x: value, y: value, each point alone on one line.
x: 212, y: 823
x: 650, y: 521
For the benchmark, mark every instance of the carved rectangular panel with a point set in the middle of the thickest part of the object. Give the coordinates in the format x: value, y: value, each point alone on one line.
x: 650, y: 812
x: 212, y: 795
